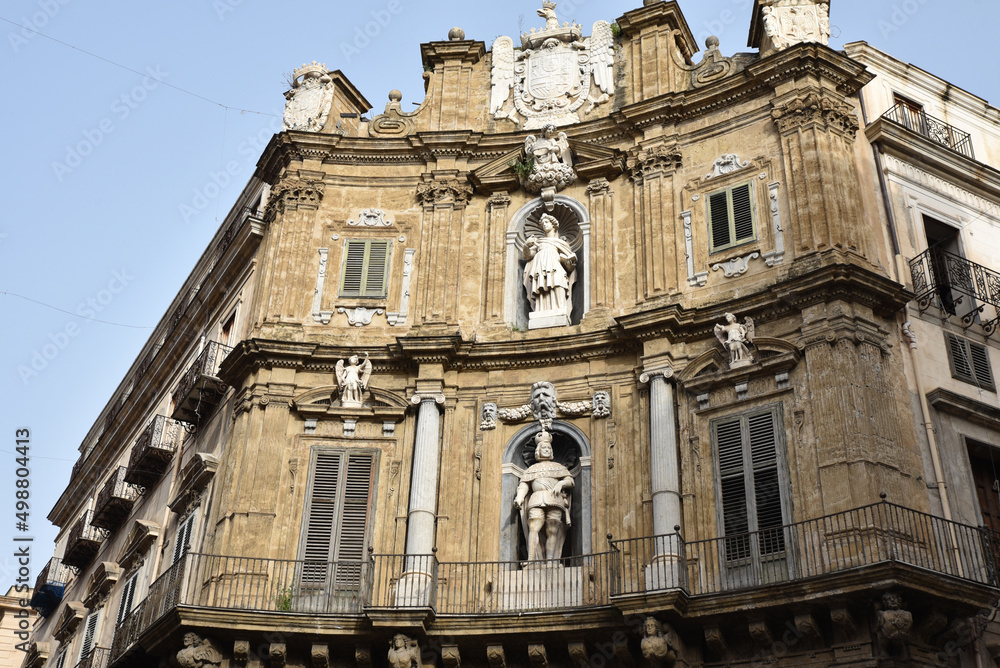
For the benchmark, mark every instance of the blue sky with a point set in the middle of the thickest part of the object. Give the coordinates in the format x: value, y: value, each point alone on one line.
x: 115, y: 183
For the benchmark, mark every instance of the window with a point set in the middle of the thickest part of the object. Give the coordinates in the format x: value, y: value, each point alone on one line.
x: 60, y: 660
x: 752, y: 489
x: 970, y: 362
x: 128, y: 598
x: 336, y: 518
x: 731, y: 217
x: 226, y: 332
x: 366, y: 269
x: 89, y: 632
x: 910, y: 112
x: 183, y: 539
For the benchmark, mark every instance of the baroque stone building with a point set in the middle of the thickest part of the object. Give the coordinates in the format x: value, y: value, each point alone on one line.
x: 603, y: 355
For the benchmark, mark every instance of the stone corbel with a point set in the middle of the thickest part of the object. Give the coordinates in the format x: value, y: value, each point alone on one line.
x: 101, y: 582
x: 73, y: 613
x: 320, y: 655
x: 496, y: 657
x: 623, y: 655
x: 38, y: 654
x: 578, y: 654
x: 241, y: 652
x: 450, y: 657
x: 195, y: 475
x: 363, y: 656
x: 538, y: 656
x: 716, y: 641
x: 806, y: 626
x: 761, y: 634
x: 277, y: 655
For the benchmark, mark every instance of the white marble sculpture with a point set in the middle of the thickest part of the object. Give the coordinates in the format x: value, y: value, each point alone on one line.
x: 549, y: 276
x: 543, y: 499
x: 789, y: 22
x: 553, y: 73
x: 310, y: 98
x: 737, y: 339
x: 353, y: 380
x: 552, y: 164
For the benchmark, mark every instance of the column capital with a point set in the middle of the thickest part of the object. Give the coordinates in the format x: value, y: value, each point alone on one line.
x: 666, y: 373
x: 437, y: 398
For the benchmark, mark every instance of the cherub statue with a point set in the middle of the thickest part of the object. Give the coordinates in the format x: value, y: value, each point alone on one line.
x: 198, y: 652
x: 737, y: 339
x: 353, y: 380
x: 551, y: 149
x: 404, y: 652
x: 657, y: 644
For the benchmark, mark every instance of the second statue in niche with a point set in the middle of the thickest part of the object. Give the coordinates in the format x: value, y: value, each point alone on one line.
x: 549, y: 276
x: 543, y: 497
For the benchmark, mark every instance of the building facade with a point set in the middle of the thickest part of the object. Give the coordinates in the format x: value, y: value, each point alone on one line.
x: 601, y: 355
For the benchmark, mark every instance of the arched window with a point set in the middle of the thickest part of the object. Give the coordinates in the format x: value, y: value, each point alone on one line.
x: 572, y: 449
x: 574, y: 228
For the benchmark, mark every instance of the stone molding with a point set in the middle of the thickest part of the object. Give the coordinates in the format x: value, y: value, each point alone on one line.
x: 816, y: 107
x: 644, y: 162
x: 293, y: 193
x: 666, y: 373
x: 452, y: 191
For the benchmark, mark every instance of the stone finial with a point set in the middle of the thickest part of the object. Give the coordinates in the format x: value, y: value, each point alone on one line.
x: 456, y: 34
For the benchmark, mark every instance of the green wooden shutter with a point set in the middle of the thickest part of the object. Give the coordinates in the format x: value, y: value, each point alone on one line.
x: 376, y: 269
x: 767, y: 487
x: 742, y: 214
x: 718, y: 215
x: 366, y: 269
x: 354, y: 267
x: 732, y: 479
x: 351, y: 540
x: 321, y: 517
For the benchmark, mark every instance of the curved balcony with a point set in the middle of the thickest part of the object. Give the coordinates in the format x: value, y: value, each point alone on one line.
x: 49, y: 587
x: 200, y: 389
x: 83, y: 542
x: 114, y: 502
x: 153, y: 451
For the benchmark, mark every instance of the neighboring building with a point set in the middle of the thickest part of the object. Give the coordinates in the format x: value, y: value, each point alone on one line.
x: 596, y: 357
x: 15, y: 617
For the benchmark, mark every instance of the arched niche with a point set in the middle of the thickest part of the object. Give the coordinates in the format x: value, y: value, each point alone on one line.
x: 566, y: 439
x: 574, y: 225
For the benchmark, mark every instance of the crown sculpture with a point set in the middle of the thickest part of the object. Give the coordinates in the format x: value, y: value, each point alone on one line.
x: 310, y: 98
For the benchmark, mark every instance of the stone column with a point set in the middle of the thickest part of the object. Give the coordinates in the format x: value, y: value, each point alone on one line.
x: 414, y: 587
x: 666, y: 570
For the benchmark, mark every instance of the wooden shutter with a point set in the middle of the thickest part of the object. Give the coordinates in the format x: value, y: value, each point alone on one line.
x: 742, y: 214
x: 90, y: 630
x: 732, y: 479
x: 354, y: 267
x: 718, y: 214
x: 128, y: 595
x: 767, y: 487
x: 183, y: 538
x: 354, y: 519
x: 980, y: 365
x: 366, y: 268
x: 377, y: 266
x: 321, y: 517
x: 970, y: 362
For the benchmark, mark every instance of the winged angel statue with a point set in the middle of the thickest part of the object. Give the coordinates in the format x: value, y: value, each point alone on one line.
x: 353, y: 380
x: 737, y: 339
x: 552, y: 73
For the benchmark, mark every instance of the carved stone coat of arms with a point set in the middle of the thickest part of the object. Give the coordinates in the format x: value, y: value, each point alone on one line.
x: 553, y: 74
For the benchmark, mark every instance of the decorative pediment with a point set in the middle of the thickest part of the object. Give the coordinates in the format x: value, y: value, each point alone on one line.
x: 101, y: 582
x: 589, y: 162
x: 498, y: 175
x: 711, y: 368
x: 73, y: 613
x: 140, y: 538
x: 195, y: 475
x: 321, y: 403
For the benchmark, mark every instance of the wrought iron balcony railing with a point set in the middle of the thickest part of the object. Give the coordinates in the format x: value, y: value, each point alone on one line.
x: 83, y: 542
x: 932, y: 128
x: 153, y: 451
x: 114, y: 501
x: 200, y: 389
x: 49, y: 587
x: 957, y: 286
x: 99, y: 657
x: 882, y: 533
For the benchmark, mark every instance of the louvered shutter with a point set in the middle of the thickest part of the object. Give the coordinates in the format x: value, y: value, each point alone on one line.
x: 375, y: 269
x: 718, y: 213
x: 354, y: 268
x: 981, y: 365
x: 322, y: 517
x: 970, y: 362
x: 767, y: 489
x: 128, y: 595
x: 183, y: 539
x: 742, y: 214
x: 729, y: 443
x: 90, y: 630
x: 354, y: 519
x: 61, y: 661
x: 960, y: 359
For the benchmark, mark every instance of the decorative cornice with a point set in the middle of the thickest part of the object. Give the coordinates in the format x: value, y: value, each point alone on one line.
x: 292, y: 193
x: 644, y: 162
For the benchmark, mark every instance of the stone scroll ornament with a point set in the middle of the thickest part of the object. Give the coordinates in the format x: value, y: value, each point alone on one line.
x: 352, y: 380
x: 545, y: 407
x: 309, y: 100
x: 737, y: 339
x: 553, y: 73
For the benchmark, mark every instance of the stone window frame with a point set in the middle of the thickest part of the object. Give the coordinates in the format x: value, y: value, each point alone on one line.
x: 782, y: 478
x: 363, y: 271
x: 974, y: 368
x: 735, y: 241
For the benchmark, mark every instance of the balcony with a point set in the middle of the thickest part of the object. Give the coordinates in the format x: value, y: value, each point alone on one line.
x: 153, y: 451
x: 83, y: 543
x: 932, y: 128
x: 955, y: 286
x: 836, y: 553
x: 49, y: 587
x: 99, y: 657
x: 114, y: 502
x: 200, y: 390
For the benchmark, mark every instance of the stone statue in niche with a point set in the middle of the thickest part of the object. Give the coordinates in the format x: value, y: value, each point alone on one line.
x: 353, y: 380
x: 198, y: 652
x: 737, y: 339
x: 543, y: 499
x: 657, y: 644
x: 404, y: 652
x: 549, y: 276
